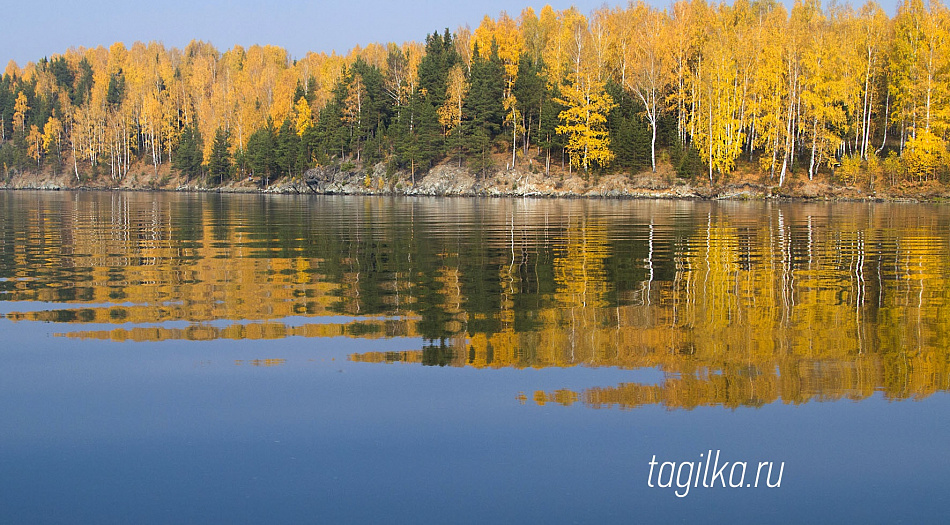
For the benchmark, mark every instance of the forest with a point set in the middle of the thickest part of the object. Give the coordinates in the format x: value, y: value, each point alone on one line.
x: 705, y: 92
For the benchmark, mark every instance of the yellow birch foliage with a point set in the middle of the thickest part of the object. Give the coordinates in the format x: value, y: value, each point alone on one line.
x: 641, y: 50
x: 20, y: 108
x: 532, y: 35
x: 768, y: 97
x: 551, y: 45
x: 812, y: 85
x: 584, y: 123
x: 463, y: 46
x: 283, y: 96
x: 450, y: 113
x: 353, y: 104
x: 52, y: 134
x: 685, y: 29
x: 823, y: 91
x: 303, y: 116
x: 507, y: 36
x: 12, y: 69
x: 35, y: 143
x: 716, y: 124
x: 925, y: 154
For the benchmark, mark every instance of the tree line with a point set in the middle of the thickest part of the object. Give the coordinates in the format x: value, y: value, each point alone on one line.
x: 701, y: 86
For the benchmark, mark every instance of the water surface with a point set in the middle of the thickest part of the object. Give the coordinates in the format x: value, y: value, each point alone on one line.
x: 214, y: 358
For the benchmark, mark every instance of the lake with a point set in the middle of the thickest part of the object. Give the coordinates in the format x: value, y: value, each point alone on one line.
x: 206, y: 358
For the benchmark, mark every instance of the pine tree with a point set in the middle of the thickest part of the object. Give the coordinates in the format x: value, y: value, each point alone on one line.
x: 440, y: 56
x: 529, y: 93
x: 376, y: 109
x: 261, y: 154
x: 288, y: 149
x: 219, y: 164
x: 116, y: 91
x: 483, y: 107
x: 188, y: 155
x: 422, y: 142
x: 547, y: 137
x: 629, y: 135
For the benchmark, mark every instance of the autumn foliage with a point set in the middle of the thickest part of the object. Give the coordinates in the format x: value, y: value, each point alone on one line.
x: 703, y: 87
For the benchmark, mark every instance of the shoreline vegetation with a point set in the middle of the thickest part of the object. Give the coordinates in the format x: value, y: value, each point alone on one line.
x: 452, y: 181
x: 698, y: 100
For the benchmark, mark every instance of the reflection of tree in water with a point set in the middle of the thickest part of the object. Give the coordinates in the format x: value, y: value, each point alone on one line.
x: 789, y: 310
x: 736, y: 304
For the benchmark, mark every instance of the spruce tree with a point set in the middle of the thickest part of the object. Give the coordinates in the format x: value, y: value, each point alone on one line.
x: 483, y: 107
x: 629, y: 132
x: 116, y: 91
x: 219, y: 165
x: 376, y: 110
x: 547, y: 137
x: 288, y: 145
x: 530, y: 93
x: 331, y: 134
x: 261, y: 154
x: 188, y: 156
x: 434, y: 67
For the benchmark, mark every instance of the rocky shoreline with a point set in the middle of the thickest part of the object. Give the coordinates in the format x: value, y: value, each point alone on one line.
x: 446, y: 181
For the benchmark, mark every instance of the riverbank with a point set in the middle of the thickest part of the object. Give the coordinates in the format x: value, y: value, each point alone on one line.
x: 447, y: 180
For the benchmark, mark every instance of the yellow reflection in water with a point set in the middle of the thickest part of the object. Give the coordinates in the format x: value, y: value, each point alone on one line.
x: 744, y: 321
x: 771, y: 304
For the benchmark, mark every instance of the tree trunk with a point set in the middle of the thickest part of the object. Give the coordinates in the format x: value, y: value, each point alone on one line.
x: 75, y: 166
x: 514, y: 138
x: 887, y: 108
x: 814, y: 144
x: 653, y: 145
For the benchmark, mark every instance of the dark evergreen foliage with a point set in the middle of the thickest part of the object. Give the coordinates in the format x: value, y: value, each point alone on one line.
x: 83, y: 90
x: 530, y: 92
x: 629, y: 131
x: 188, y: 157
x: 547, y: 137
x: 483, y: 112
x: 435, y: 65
x: 219, y: 165
x: 116, y: 91
x: 261, y: 154
x: 288, y: 150
x: 686, y: 160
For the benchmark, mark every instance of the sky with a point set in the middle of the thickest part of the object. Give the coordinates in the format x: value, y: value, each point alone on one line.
x: 42, y: 28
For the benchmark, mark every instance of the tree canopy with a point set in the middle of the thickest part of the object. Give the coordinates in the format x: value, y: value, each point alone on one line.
x: 801, y: 90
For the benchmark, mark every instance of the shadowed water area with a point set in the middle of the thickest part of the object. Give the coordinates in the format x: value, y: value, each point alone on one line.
x: 414, y: 360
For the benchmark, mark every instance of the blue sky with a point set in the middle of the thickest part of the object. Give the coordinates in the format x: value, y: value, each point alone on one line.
x: 41, y: 28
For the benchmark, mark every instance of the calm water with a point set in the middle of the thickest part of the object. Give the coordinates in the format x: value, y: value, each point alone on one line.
x: 247, y: 359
